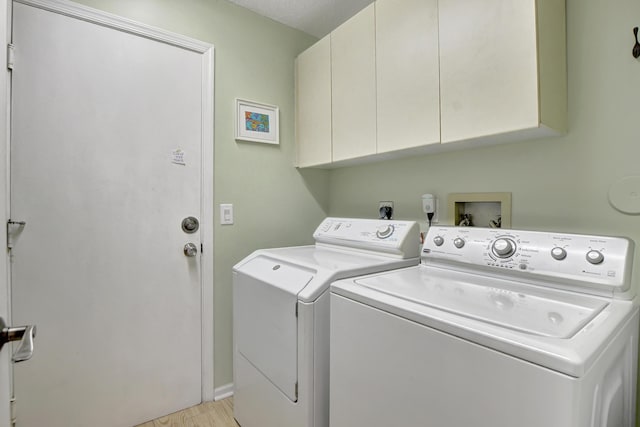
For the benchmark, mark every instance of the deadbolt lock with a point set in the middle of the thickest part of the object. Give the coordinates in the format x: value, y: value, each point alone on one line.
x: 190, y: 225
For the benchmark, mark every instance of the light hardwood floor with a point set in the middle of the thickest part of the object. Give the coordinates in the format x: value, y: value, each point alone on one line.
x: 208, y: 414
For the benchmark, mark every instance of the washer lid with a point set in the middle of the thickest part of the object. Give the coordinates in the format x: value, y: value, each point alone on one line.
x: 520, y: 307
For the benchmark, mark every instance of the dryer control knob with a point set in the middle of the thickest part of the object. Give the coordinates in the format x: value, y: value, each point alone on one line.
x: 558, y: 253
x: 458, y: 242
x: 438, y: 240
x: 595, y: 257
x: 503, y: 248
x: 385, y: 231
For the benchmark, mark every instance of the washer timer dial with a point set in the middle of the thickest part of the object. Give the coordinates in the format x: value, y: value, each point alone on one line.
x: 503, y: 247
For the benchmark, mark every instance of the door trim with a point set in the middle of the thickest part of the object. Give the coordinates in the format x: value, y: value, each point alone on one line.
x: 109, y: 20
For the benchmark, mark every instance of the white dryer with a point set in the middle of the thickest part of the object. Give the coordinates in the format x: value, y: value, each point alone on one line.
x: 281, y: 316
x: 495, y: 328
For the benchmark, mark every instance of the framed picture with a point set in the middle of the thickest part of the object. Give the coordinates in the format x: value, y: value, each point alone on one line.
x: 257, y: 122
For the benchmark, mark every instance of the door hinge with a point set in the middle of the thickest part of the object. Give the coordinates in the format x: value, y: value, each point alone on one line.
x: 10, y: 56
x: 296, y: 390
x: 12, y: 411
x: 296, y: 309
x: 201, y: 248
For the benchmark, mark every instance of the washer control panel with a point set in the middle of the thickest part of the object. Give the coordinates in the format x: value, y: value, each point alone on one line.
x: 395, y: 237
x: 597, y: 262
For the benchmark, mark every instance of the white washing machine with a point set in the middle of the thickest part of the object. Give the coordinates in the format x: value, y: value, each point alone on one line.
x: 281, y: 316
x: 495, y: 328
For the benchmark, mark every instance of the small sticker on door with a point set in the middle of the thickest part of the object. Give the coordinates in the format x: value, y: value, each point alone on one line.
x: 177, y: 157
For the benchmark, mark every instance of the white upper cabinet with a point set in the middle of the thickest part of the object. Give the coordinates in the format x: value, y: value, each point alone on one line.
x: 313, y: 105
x: 407, y: 72
x: 419, y: 76
x: 502, y: 69
x: 353, y: 87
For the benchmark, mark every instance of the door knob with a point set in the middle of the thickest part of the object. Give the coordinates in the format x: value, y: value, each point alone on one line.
x: 24, y: 334
x: 190, y: 250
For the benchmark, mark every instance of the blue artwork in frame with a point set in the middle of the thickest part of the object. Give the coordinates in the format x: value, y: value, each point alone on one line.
x: 256, y: 122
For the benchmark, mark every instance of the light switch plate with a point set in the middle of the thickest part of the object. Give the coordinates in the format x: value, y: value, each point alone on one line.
x: 226, y: 214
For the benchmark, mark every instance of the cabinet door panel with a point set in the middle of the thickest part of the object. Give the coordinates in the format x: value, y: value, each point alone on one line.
x: 313, y: 104
x: 354, y: 87
x: 488, y: 67
x: 407, y: 64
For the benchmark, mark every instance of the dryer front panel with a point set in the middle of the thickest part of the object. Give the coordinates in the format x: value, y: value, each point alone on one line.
x: 266, y: 327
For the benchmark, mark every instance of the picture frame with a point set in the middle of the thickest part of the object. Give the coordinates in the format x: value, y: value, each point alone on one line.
x: 480, y: 209
x: 257, y: 122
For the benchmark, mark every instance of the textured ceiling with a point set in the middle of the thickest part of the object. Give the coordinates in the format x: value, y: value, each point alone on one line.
x: 315, y: 17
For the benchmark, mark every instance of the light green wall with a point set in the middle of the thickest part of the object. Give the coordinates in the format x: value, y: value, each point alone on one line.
x: 274, y: 204
x: 557, y: 184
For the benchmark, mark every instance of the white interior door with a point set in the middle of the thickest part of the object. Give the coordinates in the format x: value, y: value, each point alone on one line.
x: 98, y: 117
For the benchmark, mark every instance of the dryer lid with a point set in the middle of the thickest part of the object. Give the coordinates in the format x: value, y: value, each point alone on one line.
x: 280, y: 274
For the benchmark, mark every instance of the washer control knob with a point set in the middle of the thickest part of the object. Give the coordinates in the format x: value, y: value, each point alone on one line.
x: 385, y: 231
x: 458, y: 242
x: 558, y: 253
x: 595, y: 257
x: 438, y: 240
x: 503, y: 248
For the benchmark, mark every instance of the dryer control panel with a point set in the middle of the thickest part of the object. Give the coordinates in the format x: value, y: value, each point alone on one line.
x: 598, y: 264
x: 398, y: 238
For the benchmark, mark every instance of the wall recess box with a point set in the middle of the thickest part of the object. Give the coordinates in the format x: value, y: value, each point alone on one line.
x: 480, y: 209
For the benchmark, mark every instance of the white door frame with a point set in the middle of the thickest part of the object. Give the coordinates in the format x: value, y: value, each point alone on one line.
x: 206, y: 50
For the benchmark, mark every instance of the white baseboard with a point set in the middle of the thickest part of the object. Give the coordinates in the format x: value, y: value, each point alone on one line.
x: 223, y: 392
